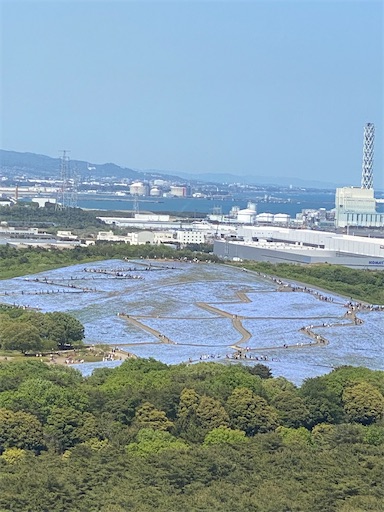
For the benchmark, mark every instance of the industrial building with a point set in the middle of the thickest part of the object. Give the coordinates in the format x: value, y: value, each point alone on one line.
x: 300, y: 246
x: 134, y: 238
x: 185, y: 237
x: 178, y: 191
x: 138, y: 189
x: 32, y: 237
x: 11, y: 232
x: 356, y: 206
x: 181, y: 236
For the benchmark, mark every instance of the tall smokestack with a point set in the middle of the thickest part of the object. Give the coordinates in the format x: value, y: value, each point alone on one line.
x: 367, y: 171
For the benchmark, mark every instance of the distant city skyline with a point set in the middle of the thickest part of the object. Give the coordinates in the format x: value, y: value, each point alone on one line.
x: 259, y: 88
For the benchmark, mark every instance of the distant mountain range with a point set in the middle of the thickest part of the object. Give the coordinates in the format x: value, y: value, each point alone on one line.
x: 257, y: 180
x: 33, y: 165
x: 42, y: 166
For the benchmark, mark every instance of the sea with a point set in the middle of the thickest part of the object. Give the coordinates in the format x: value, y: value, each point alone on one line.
x: 289, y: 203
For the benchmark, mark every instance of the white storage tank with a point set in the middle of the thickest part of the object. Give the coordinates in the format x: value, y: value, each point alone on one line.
x: 264, y: 218
x: 154, y: 192
x: 246, y: 216
x: 281, y: 218
x: 138, y: 189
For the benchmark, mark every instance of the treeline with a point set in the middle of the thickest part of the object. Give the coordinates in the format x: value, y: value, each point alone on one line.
x: 364, y: 285
x: 30, y: 331
x: 206, y: 437
x: 29, y: 214
x: 16, y: 262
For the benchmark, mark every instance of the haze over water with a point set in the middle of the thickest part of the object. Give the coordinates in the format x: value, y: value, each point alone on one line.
x: 291, y: 204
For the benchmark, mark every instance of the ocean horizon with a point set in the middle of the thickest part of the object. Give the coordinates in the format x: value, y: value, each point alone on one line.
x: 288, y: 204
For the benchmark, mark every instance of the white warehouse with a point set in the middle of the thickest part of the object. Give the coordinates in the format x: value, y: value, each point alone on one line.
x: 284, y: 245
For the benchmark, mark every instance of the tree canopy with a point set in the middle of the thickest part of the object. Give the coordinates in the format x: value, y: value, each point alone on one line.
x: 188, y: 438
x: 32, y: 331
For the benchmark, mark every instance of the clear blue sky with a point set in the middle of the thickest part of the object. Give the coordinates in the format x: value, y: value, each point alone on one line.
x: 250, y: 88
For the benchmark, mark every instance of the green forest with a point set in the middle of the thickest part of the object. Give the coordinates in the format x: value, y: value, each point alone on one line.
x: 206, y: 437
x: 29, y: 331
x: 30, y: 215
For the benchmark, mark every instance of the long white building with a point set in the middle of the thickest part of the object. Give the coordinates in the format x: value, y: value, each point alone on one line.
x: 284, y: 245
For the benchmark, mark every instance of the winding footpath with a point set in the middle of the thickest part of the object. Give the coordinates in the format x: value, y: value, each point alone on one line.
x: 240, y: 347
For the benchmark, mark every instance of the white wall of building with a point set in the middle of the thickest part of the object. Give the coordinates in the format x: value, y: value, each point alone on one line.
x: 163, y: 237
x: 369, y: 220
x: 354, y: 199
x: 356, y: 207
x: 281, y: 218
x: 108, y: 236
x: 324, y: 239
x: 11, y: 231
x: 135, y: 238
x: 178, y: 191
x: 190, y: 237
x: 42, y: 201
x: 152, y: 217
x: 140, y: 237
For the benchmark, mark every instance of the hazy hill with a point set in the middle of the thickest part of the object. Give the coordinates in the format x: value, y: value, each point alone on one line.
x: 42, y: 166
x: 33, y: 165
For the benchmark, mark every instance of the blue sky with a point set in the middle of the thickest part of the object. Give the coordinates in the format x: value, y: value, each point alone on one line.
x: 250, y: 88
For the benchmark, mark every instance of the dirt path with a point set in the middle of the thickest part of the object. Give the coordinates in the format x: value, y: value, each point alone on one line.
x: 161, y: 337
x: 236, y: 323
x: 239, y: 346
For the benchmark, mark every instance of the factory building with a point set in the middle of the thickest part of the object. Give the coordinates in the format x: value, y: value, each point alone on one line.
x: 135, y: 238
x: 284, y: 245
x: 178, y: 191
x: 357, y: 206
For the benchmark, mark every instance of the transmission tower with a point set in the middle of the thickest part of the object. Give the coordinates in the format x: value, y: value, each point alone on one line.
x: 367, y: 171
x: 67, y: 193
x: 136, y: 207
